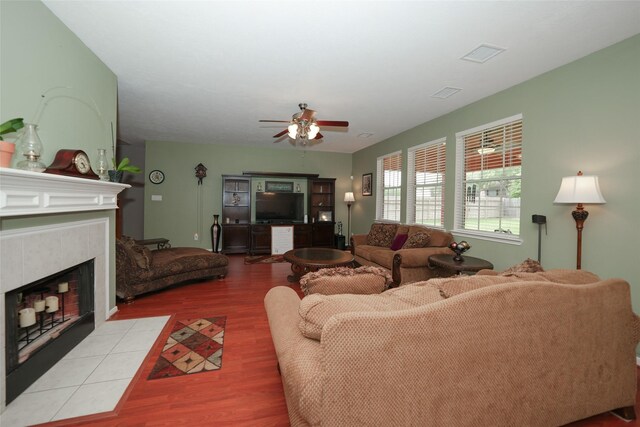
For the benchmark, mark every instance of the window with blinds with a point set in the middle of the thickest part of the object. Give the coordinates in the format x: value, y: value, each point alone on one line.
x: 389, y: 186
x: 425, y: 191
x: 489, y: 179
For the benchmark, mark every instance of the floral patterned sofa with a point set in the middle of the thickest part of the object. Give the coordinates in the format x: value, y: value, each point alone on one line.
x: 402, y: 250
x: 140, y: 270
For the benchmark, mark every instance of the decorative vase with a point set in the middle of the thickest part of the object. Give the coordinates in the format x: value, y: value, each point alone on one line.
x: 459, y: 249
x: 216, y: 231
x: 6, y: 151
x: 102, y: 165
x: 115, y: 176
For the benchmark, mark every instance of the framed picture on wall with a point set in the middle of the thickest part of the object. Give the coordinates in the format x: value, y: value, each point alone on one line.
x: 366, y: 184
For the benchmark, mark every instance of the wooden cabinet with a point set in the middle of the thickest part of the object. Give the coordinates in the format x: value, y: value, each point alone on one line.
x: 236, y: 214
x: 235, y: 238
x: 302, y: 236
x: 322, y: 210
x: 260, y: 239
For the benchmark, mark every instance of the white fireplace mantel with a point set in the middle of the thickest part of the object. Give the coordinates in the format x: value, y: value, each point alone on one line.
x: 33, y: 193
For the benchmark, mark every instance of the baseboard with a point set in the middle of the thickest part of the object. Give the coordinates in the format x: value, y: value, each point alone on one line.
x: 113, y: 311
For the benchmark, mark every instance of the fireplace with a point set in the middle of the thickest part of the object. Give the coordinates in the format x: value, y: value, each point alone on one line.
x: 44, y: 321
x: 49, y: 226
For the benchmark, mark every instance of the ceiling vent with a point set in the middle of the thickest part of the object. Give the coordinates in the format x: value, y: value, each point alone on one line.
x: 446, y: 92
x: 482, y: 53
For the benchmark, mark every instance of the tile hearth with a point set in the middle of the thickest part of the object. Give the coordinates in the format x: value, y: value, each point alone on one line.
x: 91, y: 378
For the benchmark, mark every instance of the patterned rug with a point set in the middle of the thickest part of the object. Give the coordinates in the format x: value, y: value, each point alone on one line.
x: 263, y: 259
x: 194, y: 346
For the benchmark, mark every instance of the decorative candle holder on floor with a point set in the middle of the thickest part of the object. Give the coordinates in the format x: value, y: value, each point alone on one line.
x: 63, y: 288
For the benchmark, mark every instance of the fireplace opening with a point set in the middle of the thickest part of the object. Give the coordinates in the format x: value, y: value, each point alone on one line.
x: 44, y: 320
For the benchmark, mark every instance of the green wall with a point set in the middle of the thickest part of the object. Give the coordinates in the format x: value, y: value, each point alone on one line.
x: 40, y: 55
x: 187, y: 208
x: 582, y: 116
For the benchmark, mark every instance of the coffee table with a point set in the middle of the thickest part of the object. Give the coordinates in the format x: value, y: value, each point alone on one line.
x: 468, y: 263
x: 304, y: 260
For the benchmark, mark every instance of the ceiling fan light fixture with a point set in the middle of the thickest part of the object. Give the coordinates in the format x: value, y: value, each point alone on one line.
x: 313, y: 131
x: 293, y: 130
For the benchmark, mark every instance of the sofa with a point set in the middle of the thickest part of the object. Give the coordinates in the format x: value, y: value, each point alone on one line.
x: 140, y: 270
x: 403, y: 250
x: 527, y: 349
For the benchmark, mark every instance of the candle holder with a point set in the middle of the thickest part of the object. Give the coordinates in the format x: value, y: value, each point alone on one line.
x: 61, y: 292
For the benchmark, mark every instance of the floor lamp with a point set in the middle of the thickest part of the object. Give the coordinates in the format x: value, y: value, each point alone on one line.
x: 349, y: 199
x: 580, y: 189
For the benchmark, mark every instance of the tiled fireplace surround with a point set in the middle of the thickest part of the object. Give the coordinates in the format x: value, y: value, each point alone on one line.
x: 32, y: 253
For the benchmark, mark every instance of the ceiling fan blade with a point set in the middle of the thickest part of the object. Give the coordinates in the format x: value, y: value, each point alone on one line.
x: 332, y: 123
x: 319, y: 136
x: 278, y: 135
x: 274, y: 121
x: 307, y: 114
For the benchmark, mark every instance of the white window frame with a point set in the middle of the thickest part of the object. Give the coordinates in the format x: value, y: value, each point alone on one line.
x: 412, y: 185
x: 460, y: 190
x: 380, y: 188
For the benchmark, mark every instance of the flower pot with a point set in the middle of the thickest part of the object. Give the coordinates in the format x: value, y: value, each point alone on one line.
x: 115, y: 176
x: 6, y: 151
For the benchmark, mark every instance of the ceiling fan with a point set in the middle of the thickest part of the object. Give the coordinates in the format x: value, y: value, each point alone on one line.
x: 304, y: 126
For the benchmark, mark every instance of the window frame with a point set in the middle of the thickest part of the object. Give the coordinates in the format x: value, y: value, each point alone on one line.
x: 411, y: 207
x: 460, y: 190
x: 380, y: 188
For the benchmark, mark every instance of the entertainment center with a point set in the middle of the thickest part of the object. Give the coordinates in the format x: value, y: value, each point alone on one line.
x: 254, y: 201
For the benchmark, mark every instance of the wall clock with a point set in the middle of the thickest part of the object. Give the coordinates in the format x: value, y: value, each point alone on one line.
x: 156, y: 176
x: 72, y: 163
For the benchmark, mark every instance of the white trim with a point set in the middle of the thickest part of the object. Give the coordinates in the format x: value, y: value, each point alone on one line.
x: 35, y: 193
x: 113, y: 311
x: 497, y: 123
x: 493, y: 237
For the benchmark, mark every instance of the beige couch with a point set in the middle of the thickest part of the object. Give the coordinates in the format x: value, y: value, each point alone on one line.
x: 531, y: 349
x: 406, y: 264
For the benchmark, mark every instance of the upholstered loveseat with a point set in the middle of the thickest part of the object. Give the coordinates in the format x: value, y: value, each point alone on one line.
x: 529, y: 349
x: 402, y: 250
x: 140, y: 270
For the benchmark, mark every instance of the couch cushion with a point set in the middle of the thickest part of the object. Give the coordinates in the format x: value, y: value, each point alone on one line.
x: 383, y: 257
x: 457, y: 285
x: 344, y: 280
x: 366, y: 251
x: 527, y: 266
x: 315, y: 310
x: 417, y: 240
x: 399, y: 241
x: 381, y: 234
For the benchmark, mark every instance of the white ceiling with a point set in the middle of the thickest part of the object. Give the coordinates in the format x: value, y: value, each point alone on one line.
x: 207, y: 71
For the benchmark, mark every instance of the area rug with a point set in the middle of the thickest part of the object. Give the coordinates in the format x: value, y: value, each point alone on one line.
x: 263, y: 259
x: 194, y: 346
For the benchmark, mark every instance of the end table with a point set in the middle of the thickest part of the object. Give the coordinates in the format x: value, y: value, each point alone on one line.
x: 468, y: 264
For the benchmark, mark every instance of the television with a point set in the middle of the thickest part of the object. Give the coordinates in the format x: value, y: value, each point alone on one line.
x: 279, y: 207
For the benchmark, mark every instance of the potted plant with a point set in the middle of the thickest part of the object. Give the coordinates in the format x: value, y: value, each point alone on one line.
x: 119, y: 169
x: 7, y: 148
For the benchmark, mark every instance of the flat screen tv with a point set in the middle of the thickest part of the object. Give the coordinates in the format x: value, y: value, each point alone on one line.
x: 279, y: 207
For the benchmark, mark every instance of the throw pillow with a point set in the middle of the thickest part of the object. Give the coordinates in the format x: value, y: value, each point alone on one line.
x: 527, y: 266
x: 381, y: 234
x: 399, y: 241
x: 140, y: 254
x: 417, y: 240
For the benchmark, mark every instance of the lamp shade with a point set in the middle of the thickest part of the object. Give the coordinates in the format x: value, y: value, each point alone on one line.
x: 580, y: 189
x: 348, y: 197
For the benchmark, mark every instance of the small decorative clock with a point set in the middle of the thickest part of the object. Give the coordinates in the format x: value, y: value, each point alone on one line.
x: 156, y: 176
x: 72, y: 163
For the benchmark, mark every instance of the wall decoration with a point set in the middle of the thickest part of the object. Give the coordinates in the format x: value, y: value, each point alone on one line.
x: 201, y: 172
x: 156, y: 176
x: 278, y: 186
x: 367, y: 189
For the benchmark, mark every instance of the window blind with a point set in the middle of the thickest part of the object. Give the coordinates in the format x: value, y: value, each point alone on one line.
x: 389, y: 180
x: 425, y: 196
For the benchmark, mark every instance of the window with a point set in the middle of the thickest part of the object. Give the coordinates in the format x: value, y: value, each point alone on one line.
x: 488, y: 180
x: 425, y: 191
x: 389, y: 187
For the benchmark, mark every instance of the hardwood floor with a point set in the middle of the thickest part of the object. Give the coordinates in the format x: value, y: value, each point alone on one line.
x: 247, y: 391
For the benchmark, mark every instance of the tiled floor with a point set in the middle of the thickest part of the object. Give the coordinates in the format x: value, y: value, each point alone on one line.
x: 91, y: 378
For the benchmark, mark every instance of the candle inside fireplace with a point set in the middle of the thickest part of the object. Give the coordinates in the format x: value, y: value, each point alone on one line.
x: 63, y: 287
x: 38, y: 305
x: 27, y: 317
x: 52, y: 304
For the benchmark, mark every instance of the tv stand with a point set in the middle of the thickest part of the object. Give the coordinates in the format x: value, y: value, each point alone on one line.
x: 304, y: 236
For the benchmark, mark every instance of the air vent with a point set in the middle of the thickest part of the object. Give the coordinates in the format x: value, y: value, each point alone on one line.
x: 482, y: 53
x: 446, y: 92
